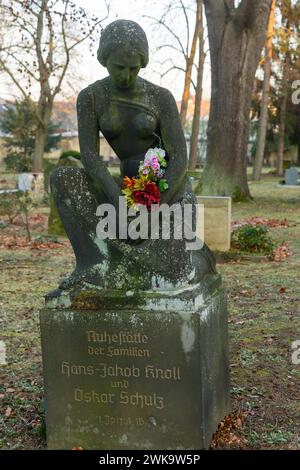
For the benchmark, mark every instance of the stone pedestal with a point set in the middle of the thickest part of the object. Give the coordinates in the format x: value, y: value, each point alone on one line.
x: 217, y: 222
x: 149, y: 376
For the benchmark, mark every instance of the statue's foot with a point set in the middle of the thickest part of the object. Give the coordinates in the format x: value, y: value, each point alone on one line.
x: 90, y: 275
x: 53, y: 294
x: 70, y: 281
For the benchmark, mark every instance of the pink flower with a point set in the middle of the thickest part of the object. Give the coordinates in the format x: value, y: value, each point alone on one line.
x: 155, y: 166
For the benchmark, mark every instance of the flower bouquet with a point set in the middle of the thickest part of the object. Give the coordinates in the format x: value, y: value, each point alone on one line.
x: 146, y: 187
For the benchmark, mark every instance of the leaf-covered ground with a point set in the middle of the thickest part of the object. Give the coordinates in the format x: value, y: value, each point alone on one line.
x: 264, y: 320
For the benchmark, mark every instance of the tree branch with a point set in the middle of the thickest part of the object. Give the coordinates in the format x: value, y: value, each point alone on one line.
x: 107, y: 4
x: 67, y: 52
x: 229, y: 4
x: 169, y: 45
x: 194, y: 85
x: 38, y: 39
x: 215, y: 8
x: 49, y: 58
x: 170, y: 31
x: 23, y: 65
x: 16, y: 82
x: 216, y: 15
x: 247, y: 12
x: 174, y: 67
x: 187, y: 25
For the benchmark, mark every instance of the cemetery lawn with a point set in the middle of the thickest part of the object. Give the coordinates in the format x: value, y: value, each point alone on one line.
x: 264, y: 320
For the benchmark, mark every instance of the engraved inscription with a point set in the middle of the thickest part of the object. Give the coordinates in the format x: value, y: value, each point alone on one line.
x: 110, y: 351
x: 158, y: 373
x: 122, y: 337
x: 119, y: 383
x: 108, y: 420
x: 104, y: 370
x: 124, y: 398
x: 112, y: 341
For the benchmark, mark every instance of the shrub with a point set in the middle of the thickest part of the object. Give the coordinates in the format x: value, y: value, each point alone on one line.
x: 18, y: 203
x: 18, y: 123
x: 253, y: 239
x: 70, y: 153
x: 9, y: 205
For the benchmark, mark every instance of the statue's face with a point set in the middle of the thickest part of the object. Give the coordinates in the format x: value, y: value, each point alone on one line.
x: 123, y: 67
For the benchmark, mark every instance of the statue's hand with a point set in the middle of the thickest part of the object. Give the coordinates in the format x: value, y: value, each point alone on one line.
x: 126, y: 227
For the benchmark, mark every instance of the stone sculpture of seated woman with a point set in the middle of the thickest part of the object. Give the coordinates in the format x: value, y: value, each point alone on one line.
x: 133, y: 115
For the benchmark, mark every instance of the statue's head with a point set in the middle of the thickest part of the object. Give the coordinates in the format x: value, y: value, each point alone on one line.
x: 123, y: 50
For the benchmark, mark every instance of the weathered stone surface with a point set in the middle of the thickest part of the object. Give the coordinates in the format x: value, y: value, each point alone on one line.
x: 134, y: 115
x: 136, y: 379
x: 291, y: 176
x: 161, y: 299
x: 55, y: 225
x: 217, y: 222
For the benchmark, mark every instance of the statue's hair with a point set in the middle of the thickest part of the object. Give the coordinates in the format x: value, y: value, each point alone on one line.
x: 126, y: 34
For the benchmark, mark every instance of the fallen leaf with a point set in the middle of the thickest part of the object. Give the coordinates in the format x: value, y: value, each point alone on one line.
x: 281, y: 252
x: 8, y: 412
x: 254, y: 221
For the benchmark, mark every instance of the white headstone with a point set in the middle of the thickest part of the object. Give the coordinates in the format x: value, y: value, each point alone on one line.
x: 31, y: 182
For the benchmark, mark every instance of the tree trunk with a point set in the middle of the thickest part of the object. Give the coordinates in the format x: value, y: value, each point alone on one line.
x: 197, y: 111
x: 236, y: 38
x: 281, y: 137
x: 189, y: 67
x: 40, y: 140
x: 44, y: 111
x: 263, y: 122
x: 283, y: 111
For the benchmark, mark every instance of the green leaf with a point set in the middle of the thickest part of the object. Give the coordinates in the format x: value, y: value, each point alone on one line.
x: 163, y: 185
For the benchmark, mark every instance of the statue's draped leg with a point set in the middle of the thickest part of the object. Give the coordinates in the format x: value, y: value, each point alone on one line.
x: 77, y: 207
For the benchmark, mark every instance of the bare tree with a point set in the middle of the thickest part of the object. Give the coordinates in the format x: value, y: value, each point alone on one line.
x: 263, y: 121
x: 236, y: 38
x: 198, y: 98
x: 187, y: 50
x: 40, y: 41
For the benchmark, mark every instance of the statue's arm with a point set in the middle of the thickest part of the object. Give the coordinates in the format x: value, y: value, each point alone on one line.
x: 174, y: 144
x: 88, y: 133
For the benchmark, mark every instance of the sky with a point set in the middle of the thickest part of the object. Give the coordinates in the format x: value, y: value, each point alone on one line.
x: 90, y: 70
x: 136, y: 10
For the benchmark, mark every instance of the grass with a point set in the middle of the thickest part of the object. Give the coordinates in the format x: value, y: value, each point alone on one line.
x: 264, y: 319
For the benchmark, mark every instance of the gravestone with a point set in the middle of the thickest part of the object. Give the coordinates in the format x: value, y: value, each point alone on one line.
x: 217, y: 222
x: 291, y: 177
x: 33, y: 182
x: 134, y: 341
x: 137, y: 376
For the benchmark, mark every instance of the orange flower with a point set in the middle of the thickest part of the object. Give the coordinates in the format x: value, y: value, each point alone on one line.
x: 128, y: 182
